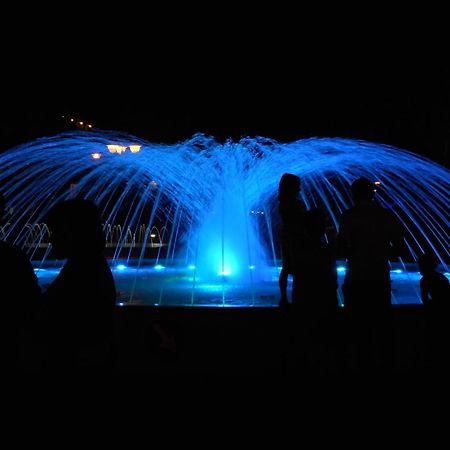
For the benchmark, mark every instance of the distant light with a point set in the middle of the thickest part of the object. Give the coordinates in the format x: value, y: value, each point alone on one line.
x: 72, y: 120
x: 397, y: 271
x: 251, y: 267
x: 253, y: 212
x: 159, y: 267
x: 153, y: 235
x: 377, y: 183
x: 121, y: 267
x: 81, y: 123
x: 135, y: 148
x: 341, y: 269
x: 90, y: 126
x: 121, y: 304
x: 191, y: 267
x: 96, y: 155
x: 114, y: 148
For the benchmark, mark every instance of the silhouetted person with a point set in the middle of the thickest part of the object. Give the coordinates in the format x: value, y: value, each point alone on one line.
x: 435, y: 293
x: 81, y: 300
x: 368, y: 236
x: 434, y: 286
x: 317, y: 288
x: 292, y: 213
x: 20, y: 295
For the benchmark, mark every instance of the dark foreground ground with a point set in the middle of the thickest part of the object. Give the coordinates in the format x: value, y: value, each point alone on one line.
x: 258, y: 342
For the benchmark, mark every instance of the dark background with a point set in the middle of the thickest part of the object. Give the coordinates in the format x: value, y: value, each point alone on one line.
x: 402, y: 99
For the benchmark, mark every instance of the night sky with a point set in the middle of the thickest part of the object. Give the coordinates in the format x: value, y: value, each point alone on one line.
x: 402, y: 103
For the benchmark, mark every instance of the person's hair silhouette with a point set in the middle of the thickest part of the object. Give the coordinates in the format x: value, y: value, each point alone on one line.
x: 76, y: 229
x: 20, y: 300
x: 363, y: 191
x: 81, y: 300
x: 292, y: 212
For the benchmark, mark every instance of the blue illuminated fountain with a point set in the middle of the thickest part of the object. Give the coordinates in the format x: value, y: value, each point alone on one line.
x: 196, y: 222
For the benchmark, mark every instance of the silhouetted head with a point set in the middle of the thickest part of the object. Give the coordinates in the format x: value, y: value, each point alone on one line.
x: 363, y: 190
x: 427, y: 263
x: 2, y: 207
x: 76, y: 229
x: 289, y: 187
x: 315, y: 223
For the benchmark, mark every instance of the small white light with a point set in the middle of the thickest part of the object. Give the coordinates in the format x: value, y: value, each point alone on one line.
x: 135, y: 148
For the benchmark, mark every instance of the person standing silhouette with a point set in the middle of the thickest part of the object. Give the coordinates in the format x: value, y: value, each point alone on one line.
x: 368, y: 236
x: 435, y: 293
x: 80, y: 302
x: 20, y: 294
x: 292, y: 236
x: 434, y: 286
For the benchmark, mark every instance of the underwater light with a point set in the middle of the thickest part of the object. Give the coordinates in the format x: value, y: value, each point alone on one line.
x: 224, y: 272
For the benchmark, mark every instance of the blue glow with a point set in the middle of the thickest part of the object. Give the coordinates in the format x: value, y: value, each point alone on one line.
x: 224, y: 272
x: 341, y: 269
x: 121, y: 267
x: 212, y: 203
x: 191, y: 267
x: 397, y: 271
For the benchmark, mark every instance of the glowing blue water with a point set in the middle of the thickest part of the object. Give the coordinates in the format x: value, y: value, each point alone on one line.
x: 212, y: 204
